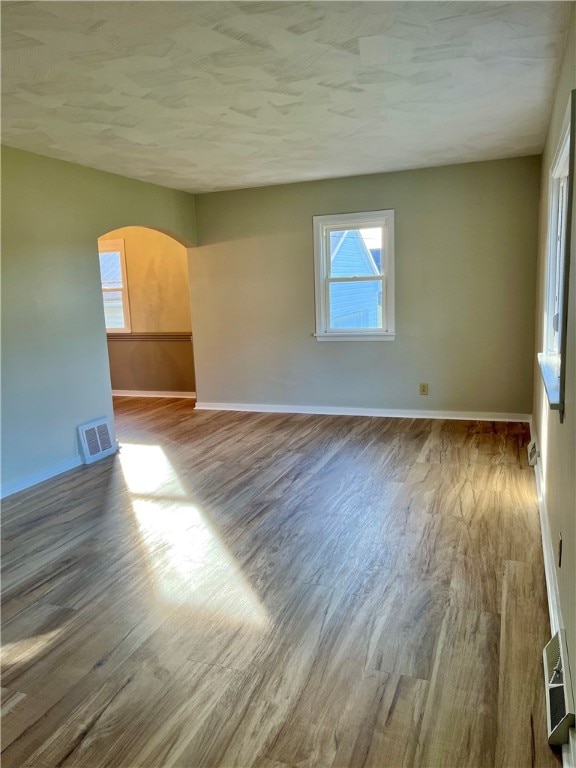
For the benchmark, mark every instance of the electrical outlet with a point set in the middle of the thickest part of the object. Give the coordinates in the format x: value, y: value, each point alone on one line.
x: 423, y: 389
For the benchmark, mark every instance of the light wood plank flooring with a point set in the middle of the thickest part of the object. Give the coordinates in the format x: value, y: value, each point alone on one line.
x: 262, y: 591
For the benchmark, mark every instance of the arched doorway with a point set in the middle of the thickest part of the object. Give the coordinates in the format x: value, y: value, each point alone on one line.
x: 146, y: 294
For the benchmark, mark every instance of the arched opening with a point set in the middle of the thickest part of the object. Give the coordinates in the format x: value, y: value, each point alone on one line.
x: 146, y: 296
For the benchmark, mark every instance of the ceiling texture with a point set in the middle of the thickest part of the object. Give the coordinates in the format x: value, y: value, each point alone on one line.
x: 204, y: 96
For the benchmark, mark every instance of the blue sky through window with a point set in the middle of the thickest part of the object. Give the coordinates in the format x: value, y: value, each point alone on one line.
x: 110, y: 269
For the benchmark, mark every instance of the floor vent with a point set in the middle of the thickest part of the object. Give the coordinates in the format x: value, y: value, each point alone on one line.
x: 533, y: 453
x: 95, y: 440
x: 559, y: 699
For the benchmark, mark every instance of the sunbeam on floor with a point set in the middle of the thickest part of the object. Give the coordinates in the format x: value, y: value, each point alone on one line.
x: 189, y: 564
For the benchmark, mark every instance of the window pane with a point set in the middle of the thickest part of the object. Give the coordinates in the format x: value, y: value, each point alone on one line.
x: 113, y: 311
x: 110, y: 269
x: 356, y: 305
x: 356, y: 252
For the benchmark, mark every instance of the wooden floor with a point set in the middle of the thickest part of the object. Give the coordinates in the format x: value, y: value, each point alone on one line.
x: 261, y: 590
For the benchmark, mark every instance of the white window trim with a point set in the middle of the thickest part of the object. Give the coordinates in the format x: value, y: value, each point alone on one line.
x: 117, y: 246
x: 558, y: 178
x: 550, y: 358
x: 323, y: 225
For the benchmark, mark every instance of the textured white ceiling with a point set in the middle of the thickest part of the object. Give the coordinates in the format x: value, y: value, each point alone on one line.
x: 219, y: 95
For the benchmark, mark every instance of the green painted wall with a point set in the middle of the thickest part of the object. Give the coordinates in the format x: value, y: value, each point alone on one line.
x: 54, y: 362
x: 466, y: 241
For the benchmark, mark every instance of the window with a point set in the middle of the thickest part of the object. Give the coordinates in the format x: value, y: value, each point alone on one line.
x: 354, y: 270
x: 114, y: 286
x: 557, y: 248
x: 557, y: 258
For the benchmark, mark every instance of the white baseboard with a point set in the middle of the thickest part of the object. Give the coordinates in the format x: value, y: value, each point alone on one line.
x: 554, y: 608
x: 150, y: 393
x: 321, y: 410
x: 40, y: 477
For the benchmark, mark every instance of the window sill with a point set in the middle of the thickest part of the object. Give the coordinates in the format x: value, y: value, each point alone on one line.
x: 548, y: 369
x: 355, y: 336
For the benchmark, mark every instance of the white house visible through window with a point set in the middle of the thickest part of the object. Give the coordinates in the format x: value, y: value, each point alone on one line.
x: 114, y: 286
x: 354, y: 272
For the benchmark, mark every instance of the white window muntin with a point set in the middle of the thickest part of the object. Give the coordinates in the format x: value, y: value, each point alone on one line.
x: 323, y: 226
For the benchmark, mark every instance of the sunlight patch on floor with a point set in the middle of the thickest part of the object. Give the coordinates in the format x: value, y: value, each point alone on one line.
x: 146, y: 469
x: 189, y: 564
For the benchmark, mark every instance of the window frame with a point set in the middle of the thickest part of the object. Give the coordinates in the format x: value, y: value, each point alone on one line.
x: 322, y: 227
x: 117, y: 246
x: 552, y: 360
x: 557, y: 228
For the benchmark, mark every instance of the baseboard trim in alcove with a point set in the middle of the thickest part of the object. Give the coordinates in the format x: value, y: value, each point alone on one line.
x: 150, y: 393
